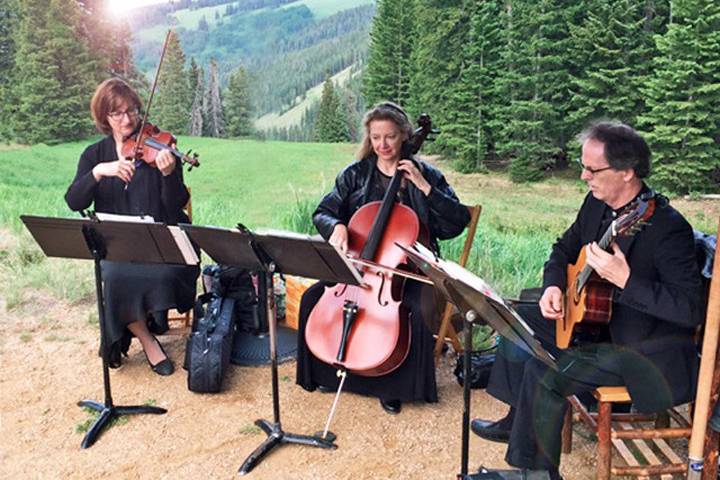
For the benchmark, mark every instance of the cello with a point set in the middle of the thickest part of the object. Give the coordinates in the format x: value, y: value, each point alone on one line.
x: 365, y: 330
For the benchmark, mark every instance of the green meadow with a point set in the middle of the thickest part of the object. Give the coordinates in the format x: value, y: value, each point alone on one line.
x: 277, y: 185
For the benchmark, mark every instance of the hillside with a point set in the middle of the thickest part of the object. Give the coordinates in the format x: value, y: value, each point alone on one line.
x: 288, y: 47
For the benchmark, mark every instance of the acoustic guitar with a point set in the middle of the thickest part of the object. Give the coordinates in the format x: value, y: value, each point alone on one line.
x: 588, y: 298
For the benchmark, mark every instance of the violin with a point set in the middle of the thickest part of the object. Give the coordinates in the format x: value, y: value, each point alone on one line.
x: 366, y: 330
x: 148, y: 142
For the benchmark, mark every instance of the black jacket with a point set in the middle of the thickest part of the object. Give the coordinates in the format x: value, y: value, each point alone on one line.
x: 149, y: 192
x: 654, y: 317
x: 357, y: 184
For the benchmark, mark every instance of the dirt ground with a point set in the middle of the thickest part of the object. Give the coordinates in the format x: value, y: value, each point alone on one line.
x: 48, y: 363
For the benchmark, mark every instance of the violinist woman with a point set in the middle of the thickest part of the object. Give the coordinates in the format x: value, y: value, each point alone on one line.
x: 427, y: 193
x: 137, y: 296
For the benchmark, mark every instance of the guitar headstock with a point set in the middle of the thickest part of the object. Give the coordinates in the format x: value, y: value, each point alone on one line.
x: 635, y: 216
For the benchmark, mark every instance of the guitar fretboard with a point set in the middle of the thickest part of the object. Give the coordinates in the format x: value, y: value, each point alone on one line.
x: 587, y: 270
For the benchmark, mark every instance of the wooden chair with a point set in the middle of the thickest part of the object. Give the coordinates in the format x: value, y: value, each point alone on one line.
x: 641, y: 440
x: 446, y: 332
x: 180, y: 323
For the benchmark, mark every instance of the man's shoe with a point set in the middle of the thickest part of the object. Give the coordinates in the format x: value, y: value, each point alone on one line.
x: 488, y: 474
x: 393, y: 407
x: 493, y: 431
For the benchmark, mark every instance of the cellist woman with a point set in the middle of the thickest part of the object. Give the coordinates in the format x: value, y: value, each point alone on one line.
x: 427, y: 193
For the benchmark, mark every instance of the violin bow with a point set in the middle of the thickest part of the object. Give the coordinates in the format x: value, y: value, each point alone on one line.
x: 138, y: 139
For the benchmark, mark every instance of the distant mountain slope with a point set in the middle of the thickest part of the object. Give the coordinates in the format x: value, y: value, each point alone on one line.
x: 287, y: 47
x: 303, y: 103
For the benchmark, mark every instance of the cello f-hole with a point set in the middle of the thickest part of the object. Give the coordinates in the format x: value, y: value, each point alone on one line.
x: 382, y: 302
x: 340, y: 293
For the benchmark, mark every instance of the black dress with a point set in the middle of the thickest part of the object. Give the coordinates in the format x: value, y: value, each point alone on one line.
x: 444, y: 216
x: 135, y: 291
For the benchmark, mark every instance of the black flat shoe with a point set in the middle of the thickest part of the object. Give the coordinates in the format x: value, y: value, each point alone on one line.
x: 163, y: 367
x: 393, y: 407
x: 488, y: 430
x: 324, y: 389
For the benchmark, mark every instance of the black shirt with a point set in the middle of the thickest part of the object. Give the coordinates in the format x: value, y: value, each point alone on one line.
x: 148, y: 193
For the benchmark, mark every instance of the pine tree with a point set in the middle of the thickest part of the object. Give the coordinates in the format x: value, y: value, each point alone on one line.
x: 534, y: 83
x: 121, y: 59
x: 472, y: 101
x: 612, y: 51
x: 202, y: 24
x: 237, y: 106
x: 172, y: 100
x: 9, y: 22
x: 193, y: 78
x: 684, y: 99
x: 330, y: 122
x: 348, y: 104
x: 212, y: 103
x: 389, y: 63
x: 54, y: 74
x: 108, y: 40
x: 441, y: 32
x: 196, y: 109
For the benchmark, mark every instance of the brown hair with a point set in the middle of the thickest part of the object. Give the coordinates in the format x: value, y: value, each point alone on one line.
x: 108, y: 97
x: 383, y: 111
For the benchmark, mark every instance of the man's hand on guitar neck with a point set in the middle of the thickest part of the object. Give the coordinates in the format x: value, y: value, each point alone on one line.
x: 551, y: 303
x: 612, y: 267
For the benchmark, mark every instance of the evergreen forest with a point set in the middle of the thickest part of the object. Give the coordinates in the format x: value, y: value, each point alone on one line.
x: 510, y: 83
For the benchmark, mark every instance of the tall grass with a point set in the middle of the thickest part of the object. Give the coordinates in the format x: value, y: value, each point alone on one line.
x: 278, y: 184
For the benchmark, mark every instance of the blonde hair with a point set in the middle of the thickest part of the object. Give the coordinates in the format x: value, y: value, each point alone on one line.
x: 383, y: 111
x: 108, y: 97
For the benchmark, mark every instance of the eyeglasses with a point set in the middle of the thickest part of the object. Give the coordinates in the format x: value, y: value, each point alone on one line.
x: 591, y: 171
x: 132, y: 113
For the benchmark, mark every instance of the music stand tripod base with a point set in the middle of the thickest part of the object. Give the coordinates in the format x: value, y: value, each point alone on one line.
x: 107, y: 414
x: 277, y: 437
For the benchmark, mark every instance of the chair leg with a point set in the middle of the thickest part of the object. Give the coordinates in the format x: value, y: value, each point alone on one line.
x: 566, y: 435
x: 603, y: 431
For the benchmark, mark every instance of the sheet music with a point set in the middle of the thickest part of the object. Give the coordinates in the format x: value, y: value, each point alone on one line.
x: 467, y: 277
x: 467, y: 290
x: 116, y: 217
x: 317, y: 239
x: 275, y: 232
x: 184, y: 244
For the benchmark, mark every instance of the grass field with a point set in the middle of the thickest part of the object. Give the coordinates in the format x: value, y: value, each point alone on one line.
x: 277, y: 185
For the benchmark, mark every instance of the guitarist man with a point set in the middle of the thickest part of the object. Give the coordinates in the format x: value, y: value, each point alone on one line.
x: 655, y: 306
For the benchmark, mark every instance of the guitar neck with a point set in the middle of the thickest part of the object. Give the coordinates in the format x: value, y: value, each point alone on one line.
x: 604, y: 242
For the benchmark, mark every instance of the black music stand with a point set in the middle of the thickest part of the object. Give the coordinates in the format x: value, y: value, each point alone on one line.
x: 267, y: 254
x: 114, y: 241
x: 478, y: 304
